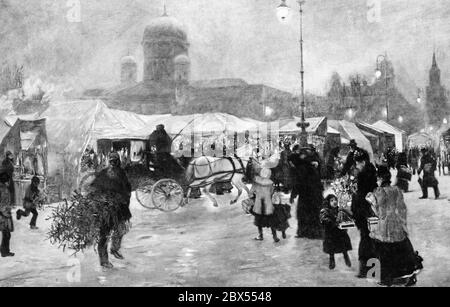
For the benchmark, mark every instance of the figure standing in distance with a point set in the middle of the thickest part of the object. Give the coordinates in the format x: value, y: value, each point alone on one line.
x: 428, y: 166
x: 8, y: 165
x: 112, y: 182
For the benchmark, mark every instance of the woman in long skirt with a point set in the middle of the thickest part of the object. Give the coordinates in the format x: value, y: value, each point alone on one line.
x: 399, y: 262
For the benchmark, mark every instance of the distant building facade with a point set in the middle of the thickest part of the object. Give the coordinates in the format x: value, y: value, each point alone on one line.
x: 167, y: 87
x: 437, y: 107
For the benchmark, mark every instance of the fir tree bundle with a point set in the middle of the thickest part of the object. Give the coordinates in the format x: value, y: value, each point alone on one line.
x: 76, y: 223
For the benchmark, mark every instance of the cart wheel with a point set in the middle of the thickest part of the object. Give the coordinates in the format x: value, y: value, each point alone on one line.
x: 167, y: 195
x: 143, y: 196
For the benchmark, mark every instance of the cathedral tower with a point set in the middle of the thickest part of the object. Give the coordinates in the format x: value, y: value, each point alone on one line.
x: 164, y: 40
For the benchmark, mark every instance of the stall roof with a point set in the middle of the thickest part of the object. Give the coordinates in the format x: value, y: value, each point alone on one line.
x: 372, y: 127
x: 382, y: 125
x: 399, y: 134
x: 331, y: 130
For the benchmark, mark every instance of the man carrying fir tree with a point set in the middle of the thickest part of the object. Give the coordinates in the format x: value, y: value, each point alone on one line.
x: 113, y: 184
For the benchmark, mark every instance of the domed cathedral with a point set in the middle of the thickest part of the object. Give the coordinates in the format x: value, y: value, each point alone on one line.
x: 164, y: 41
x: 166, y: 86
x: 166, y: 70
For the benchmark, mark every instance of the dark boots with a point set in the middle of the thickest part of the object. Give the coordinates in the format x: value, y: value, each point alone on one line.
x: 332, y: 264
x: 347, y: 260
x: 260, y: 236
x: 362, y: 269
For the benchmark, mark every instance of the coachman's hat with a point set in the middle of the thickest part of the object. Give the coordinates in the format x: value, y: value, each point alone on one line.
x: 114, y: 156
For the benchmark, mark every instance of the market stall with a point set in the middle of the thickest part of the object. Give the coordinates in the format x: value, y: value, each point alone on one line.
x: 27, y: 141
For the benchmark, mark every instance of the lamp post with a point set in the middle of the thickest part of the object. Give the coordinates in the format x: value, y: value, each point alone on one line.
x: 378, y: 75
x: 283, y: 12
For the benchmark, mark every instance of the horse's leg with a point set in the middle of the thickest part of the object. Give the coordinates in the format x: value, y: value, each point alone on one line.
x: 238, y: 187
x: 206, y: 191
x: 237, y: 182
x: 188, y: 195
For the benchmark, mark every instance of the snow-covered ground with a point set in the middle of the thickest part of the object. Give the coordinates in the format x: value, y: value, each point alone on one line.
x: 204, y: 246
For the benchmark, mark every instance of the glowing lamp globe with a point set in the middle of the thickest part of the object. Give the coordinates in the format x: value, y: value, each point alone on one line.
x: 283, y: 11
x: 445, y: 121
x: 400, y: 119
x: 378, y: 73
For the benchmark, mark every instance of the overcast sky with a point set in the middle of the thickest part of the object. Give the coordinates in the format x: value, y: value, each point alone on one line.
x: 233, y: 38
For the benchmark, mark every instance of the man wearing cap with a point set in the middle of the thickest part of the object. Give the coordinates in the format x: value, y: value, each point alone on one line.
x: 428, y: 165
x: 8, y: 166
x: 113, y: 183
x: 350, y: 161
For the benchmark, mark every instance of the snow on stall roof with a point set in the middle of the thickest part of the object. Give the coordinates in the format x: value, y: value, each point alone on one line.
x: 382, y: 125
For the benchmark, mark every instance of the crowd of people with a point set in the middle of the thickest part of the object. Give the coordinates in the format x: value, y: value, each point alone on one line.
x: 298, y: 174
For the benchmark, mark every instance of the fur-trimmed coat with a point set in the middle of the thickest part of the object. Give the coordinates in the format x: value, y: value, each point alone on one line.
x: 262, y: 188
x: 113, y: 182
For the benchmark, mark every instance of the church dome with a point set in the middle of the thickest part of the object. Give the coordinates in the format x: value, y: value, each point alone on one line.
x: 165, y: 26
x: 128, y: 60
x: 182, y: 59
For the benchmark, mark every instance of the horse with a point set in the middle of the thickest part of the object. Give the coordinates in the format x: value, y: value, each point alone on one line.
x: 203, y: 171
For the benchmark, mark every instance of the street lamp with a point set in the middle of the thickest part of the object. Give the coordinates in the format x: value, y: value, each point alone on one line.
x: 282, y: 12
x: 445, y: 121
x: 378, y: 74
x: 400, y: 119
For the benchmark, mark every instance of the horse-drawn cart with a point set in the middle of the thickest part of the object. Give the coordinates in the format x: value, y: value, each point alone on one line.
x: 165, y: 184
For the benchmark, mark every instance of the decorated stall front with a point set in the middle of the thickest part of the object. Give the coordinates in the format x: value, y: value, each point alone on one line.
x: 27, y: 141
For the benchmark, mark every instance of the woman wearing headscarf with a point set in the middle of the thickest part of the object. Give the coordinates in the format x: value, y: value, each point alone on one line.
x: 394, y: 250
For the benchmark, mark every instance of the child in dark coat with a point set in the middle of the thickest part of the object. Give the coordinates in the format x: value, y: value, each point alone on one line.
x: 336, y: 240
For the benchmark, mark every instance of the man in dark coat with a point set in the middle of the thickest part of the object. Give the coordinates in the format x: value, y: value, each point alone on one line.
x: 309, y: 189
x: 350, y: 161
x: 361, y: 208
x: 428, y: 165
x: 113, y: 183
x: 8, y: 166
x: 161, y: 142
